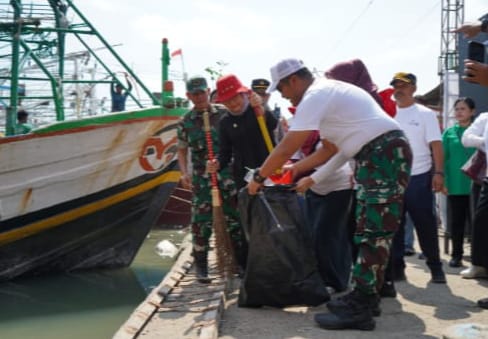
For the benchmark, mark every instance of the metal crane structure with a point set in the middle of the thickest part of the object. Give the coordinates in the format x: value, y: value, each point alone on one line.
x: 36, y: 70
x: 452, y: 17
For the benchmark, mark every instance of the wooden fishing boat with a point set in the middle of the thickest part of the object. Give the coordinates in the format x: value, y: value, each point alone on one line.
x: 84, y: 191
x: 177, y: 211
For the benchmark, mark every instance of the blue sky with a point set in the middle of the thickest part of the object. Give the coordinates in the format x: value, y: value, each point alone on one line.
x: 250, y: 36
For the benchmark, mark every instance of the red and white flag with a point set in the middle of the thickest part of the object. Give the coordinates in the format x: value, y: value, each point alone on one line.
x: 177, y: 52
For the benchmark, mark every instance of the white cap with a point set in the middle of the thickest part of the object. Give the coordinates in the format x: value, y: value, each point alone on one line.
x: 283, y: 69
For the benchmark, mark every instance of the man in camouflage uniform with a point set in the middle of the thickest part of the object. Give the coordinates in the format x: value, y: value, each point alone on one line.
x: 191, y: 140
x: 352, y: 126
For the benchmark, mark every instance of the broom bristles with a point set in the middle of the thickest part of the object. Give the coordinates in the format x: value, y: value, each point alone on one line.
x: 223, y: 245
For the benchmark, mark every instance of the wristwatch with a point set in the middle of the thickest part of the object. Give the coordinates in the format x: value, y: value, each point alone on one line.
x: 257, y: 177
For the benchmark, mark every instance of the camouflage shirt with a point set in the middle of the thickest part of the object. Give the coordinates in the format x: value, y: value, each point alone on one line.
x: 192, y: 135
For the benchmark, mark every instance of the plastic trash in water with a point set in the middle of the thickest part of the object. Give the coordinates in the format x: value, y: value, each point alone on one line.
x: 166, y: 248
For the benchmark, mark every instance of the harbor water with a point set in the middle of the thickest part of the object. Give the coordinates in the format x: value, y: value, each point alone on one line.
x: 90, y: 304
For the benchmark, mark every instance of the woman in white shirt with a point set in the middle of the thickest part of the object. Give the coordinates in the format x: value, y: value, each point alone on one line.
x: 477, y: 136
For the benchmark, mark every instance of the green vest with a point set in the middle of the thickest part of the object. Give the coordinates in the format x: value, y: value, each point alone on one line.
x: 455, y: 156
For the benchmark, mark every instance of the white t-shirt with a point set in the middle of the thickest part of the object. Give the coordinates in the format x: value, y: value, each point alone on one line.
x: 421, y: 127
x: 337, y: 181
x: 476, y: 135
x: 345, y: 114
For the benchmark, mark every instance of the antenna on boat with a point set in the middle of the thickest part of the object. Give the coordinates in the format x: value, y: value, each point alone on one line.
x: 167, y: 88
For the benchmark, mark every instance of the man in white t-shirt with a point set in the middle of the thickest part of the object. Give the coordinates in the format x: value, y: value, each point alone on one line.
x: 422, y: 129
x: 352, y: 126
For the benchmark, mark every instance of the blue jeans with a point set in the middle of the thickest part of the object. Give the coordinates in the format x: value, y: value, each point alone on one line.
x: 328, y: 217
x: 409, y: 236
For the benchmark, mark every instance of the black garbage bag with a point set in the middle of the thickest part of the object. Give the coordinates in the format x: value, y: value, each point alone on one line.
x: 281, y: 267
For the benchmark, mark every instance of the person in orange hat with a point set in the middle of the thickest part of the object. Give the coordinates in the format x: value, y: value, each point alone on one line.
x: 241, y: 141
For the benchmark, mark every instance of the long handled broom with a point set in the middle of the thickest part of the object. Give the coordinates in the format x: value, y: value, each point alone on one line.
x: 258, y: 110
x: 278, y: 177
x: 225, y: 253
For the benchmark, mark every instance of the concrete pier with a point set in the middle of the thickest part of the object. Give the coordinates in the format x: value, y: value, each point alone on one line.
x: 180, y: 307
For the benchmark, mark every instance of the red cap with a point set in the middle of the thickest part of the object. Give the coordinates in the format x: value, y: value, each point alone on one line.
x: 228, y: 87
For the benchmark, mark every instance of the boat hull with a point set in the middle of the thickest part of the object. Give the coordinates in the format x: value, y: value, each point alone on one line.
x: 177, y: 211
x: 84, y: 207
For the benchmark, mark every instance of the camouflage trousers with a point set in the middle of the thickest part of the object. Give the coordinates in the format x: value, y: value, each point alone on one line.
x: 201, y: 222
x: 382, y: 173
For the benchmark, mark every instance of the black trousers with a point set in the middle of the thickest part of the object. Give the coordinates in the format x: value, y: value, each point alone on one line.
x: 473, y: 202
x: 458, y: 216
x: 479, y: 239
x: 328, y: 216
x: 419, y: 203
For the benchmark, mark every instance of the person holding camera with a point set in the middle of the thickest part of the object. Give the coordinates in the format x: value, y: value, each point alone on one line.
x: 472, y: 29
x: 477, y: 136
x: 476, y: 72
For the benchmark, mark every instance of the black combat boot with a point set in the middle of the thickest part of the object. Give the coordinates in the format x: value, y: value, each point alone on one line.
x: 344, y: 302
x: 201, y: 266
x: 387, y: 290
x: 354, y: 313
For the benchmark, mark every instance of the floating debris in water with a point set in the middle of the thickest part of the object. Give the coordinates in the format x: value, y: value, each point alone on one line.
x: 166, y: 248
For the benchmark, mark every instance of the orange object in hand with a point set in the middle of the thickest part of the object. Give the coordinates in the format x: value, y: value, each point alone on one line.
x: 284, y: 178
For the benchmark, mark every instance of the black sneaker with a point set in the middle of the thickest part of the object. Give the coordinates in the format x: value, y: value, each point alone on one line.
x: 388, y: 290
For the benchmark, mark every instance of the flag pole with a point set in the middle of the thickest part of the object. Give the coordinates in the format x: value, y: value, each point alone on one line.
x: 180, y: 53
x: 185, y: 76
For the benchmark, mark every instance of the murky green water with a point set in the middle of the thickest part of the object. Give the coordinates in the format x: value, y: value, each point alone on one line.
x: 82, y: 305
